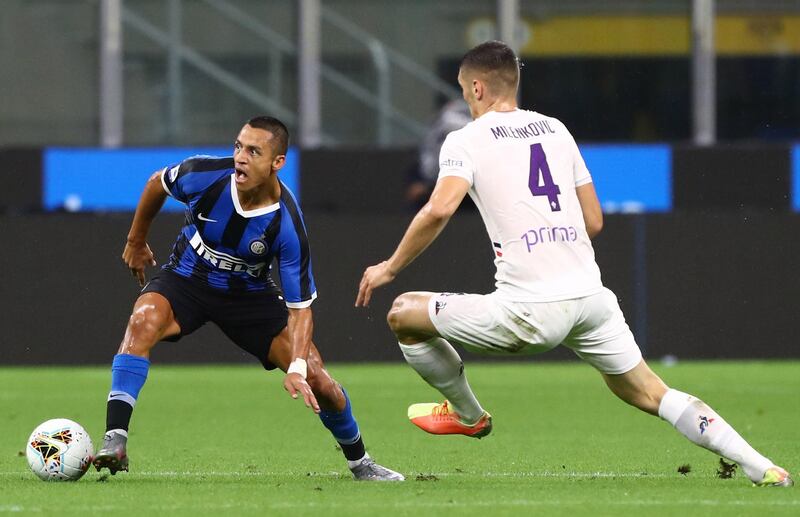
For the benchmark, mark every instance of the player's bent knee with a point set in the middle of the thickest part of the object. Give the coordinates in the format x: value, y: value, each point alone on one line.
x: 147, y: 323
x: 395, y: 315
x: 408, y: 318
x: 400, y: 314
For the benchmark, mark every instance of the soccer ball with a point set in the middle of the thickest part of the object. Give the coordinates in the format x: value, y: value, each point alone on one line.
x: 59, y: 450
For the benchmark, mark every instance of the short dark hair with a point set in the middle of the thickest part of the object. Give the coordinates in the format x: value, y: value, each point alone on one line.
x: 274, y: 126
x: 496, y: 58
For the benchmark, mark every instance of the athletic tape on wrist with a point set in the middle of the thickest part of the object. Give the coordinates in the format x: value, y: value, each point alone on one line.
x: 298, y: 366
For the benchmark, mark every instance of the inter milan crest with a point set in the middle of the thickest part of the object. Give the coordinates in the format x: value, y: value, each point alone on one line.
x: 257, y: 247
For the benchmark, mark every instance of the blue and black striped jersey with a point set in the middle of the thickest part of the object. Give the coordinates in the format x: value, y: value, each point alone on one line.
x: 232, y: 249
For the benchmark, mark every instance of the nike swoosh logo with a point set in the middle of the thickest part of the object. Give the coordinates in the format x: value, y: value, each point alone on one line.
x: 200, y: 216
x: 115, y: 395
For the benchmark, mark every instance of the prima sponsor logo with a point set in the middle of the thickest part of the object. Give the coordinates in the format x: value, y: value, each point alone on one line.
x: 547, y: 234
x: 223, y: 261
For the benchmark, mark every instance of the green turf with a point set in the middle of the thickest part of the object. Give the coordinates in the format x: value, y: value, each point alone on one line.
x: 228, y: 440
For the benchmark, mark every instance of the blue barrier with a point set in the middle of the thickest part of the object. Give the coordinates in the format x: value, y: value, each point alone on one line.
x: 796, y: 178
x: 631, y: 178
x: 89, y: 179
x: 628, y: 178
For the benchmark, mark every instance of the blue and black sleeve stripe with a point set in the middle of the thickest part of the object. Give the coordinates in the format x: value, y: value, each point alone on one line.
x: 181, y: 182
x: 296, y: 263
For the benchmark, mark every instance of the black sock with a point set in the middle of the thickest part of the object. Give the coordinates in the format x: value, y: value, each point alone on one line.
x: 354, y: 451
x: 118, y: 415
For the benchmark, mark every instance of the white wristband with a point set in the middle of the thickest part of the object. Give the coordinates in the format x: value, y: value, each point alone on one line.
x: 298, y: 366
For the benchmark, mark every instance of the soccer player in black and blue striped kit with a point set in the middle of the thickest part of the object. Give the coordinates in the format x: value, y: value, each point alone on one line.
x: 239, y: 219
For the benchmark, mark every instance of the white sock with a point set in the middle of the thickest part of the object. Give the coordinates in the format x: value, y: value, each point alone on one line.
x: 695, y: 420
x: 439, y: 364
x: 121, y: 432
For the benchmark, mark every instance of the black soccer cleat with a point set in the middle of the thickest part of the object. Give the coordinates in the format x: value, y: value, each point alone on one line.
x: 113, y: 454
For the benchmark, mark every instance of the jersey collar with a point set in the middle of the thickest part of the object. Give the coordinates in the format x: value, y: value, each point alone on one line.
x: 249, y: 213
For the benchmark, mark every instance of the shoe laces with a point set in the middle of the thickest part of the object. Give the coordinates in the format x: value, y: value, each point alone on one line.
x: 442, y: 410
x: 379, y: 470
x: 369, y: 465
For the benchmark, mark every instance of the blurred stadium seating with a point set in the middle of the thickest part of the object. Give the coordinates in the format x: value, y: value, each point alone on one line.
x: 699, y: 242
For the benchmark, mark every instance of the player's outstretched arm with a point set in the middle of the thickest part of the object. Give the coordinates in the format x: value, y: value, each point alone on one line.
x: 301, y: 328
x: 590, y: 205
x: 423, y: 230
x: 137, y: 254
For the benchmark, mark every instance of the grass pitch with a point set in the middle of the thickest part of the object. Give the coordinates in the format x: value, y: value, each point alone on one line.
x: 228, y: 440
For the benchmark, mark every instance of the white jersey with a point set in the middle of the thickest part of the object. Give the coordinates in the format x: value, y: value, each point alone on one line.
x: 523, y: 168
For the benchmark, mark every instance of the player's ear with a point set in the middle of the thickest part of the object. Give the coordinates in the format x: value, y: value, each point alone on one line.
x: 278, y: 162
x: 478, y: 89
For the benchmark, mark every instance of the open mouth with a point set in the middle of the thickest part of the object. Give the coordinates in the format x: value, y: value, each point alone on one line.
x: 240, y: 176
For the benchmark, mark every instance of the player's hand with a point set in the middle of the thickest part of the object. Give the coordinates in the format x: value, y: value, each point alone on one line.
x: 296, y: 385
x: 374, y: 277
x: 137, y: 256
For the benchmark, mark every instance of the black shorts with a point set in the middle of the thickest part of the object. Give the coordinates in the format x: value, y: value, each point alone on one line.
x: 251, y: 320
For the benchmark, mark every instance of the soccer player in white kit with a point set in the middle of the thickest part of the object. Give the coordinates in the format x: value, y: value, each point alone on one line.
x: 526, y: 175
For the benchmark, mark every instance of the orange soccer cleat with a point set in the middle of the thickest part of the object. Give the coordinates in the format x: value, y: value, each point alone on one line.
x: 441, y: 419
x: 775, y: 476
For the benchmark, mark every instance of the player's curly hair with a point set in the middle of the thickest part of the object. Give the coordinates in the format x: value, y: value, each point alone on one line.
x: 278, y: 129
x: 496, y: 60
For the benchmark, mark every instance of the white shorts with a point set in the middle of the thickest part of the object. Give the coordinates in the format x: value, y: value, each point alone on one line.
x: 593, y: 327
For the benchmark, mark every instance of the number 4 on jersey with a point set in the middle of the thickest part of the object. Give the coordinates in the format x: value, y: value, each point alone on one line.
x: 540, y: 169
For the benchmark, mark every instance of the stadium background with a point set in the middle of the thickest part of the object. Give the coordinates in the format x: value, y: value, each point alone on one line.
x: 702, y: 197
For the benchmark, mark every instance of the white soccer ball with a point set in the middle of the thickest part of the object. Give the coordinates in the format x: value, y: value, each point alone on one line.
x: 59, y: 450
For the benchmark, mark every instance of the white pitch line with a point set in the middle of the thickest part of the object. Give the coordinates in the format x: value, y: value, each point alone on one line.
x: 420, y: 504
x: 113, y: 508
x: 542, y: 474
x: 527, y: 502
x: 335, y: 474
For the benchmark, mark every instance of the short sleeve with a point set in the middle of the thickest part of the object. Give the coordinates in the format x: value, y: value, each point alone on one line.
x: 194, y: 175
x: 580, y: 171
x: 454, y: 160
x: 294, y: 257
x: 169, y: 180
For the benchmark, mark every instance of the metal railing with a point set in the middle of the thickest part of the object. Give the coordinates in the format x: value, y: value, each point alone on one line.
x: 205, y: 65
x: 380, y: 102
x: 384, y: 60
x: 383, y: 57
